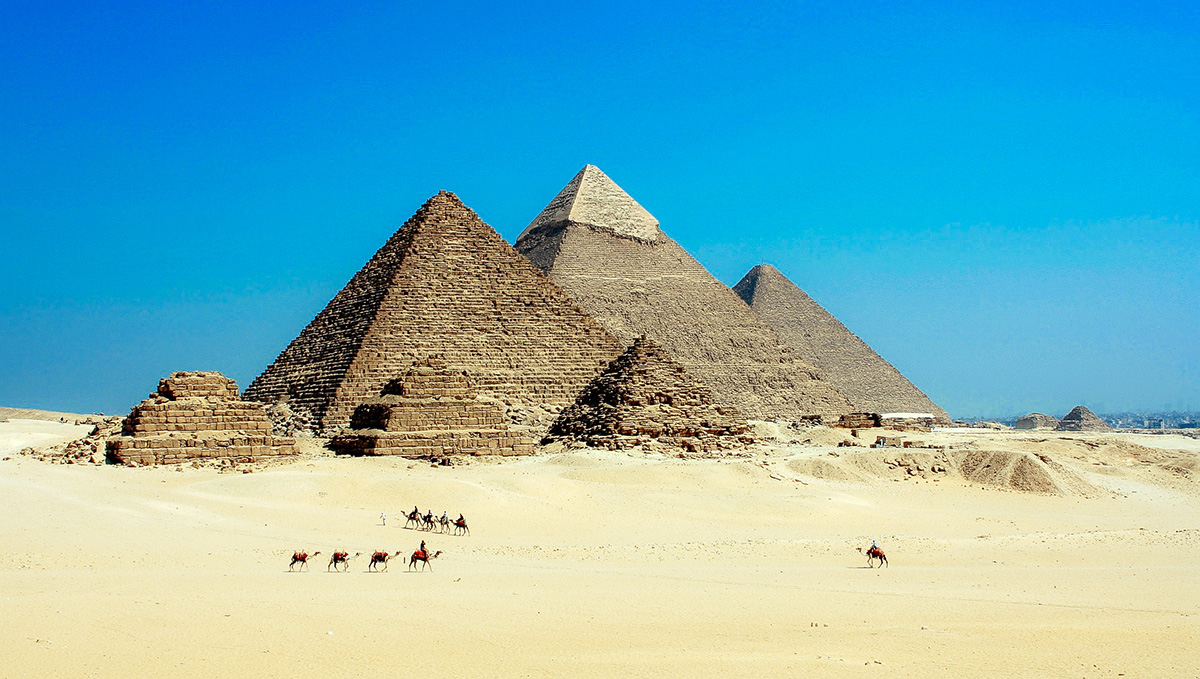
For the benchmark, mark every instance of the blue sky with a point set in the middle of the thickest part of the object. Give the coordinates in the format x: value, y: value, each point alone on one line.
x: 1003, y: 200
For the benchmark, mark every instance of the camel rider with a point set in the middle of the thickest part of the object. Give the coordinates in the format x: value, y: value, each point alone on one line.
x: 444, y: 519
x: 422, y: 550
x: 460, y: 520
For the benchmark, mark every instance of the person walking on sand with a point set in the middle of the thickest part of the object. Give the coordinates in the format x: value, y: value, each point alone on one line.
x: 383, y: 518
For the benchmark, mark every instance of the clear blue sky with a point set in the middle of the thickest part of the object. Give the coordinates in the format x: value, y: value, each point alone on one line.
x: 1003, y: 200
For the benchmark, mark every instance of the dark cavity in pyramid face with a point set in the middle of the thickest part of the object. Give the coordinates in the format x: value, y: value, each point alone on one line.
x: 445, y: 283
x: 610, y: 255
x: 869, y: 382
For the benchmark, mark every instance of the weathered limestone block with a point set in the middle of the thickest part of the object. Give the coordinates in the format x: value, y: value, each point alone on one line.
x: 196, y: 415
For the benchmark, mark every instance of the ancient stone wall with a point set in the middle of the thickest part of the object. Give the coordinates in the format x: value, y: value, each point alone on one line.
x: 445, y: 284
x: 868, y: 381
x: 196, y: 415
x: 433, y: 412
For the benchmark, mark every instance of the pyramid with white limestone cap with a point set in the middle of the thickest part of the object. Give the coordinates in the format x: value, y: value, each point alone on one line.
x: 609, y: 255
x: 594, y: 200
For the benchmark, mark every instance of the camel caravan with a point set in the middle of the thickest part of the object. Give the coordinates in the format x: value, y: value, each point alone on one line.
x: 428, y: 522
x: 339, y: 562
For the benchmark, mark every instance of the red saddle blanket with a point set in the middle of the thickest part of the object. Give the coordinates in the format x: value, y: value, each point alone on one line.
x: 419, y: 554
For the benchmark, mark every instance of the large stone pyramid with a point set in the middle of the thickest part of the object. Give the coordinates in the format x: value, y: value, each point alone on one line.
x: 445, y: 283
x: 609, y: 254
x: 871, y: 383
x: 644, y: 395
x: 1082, y: 419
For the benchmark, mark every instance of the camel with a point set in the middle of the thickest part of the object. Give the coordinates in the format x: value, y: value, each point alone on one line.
x: 427, y: 521
x: 424, y: 557
x: 341, y: 559
x: 300, y: 558
x: 444, y: 524
x: 460, y: 526
x: 380, y: 558
x: 873, y: 552
x: 414, y: 517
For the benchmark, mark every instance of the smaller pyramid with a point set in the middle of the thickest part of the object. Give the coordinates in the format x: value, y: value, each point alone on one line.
x: 868, y: 381
x: 196, y: 415
x: 432, y: 412
x: 592, y: 199
x: 1082, y: 419
x: 1037, y: 421
x: 645, y: 395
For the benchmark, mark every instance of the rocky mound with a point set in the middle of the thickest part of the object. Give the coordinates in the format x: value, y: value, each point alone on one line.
x: 1037, y: 421
x: 1082, y: 419
x: 645, y: 395
x: 1010, y: 470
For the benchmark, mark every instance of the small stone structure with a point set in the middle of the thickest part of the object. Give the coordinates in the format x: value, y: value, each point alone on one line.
x: 432, y: 412
x: 1037, y: 421
x: 1082, y: 419
x: 644, y: 395
x: 858, y: 421
x: 196, y: 415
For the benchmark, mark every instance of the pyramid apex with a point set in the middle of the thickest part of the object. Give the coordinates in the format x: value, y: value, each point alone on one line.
x: 594, y: 200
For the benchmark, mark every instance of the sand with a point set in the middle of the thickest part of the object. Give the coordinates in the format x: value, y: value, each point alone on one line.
x: 595, y: 563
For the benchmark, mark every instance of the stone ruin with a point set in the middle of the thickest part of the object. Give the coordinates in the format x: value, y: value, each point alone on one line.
x: 445, y: 283
x: 1082, y: 419
x: 646, y: 396
x: 868, y: 381
x: 432, y: 412
x: 609, y: 254
x: 1037, y: 421
x: 196, y: 416
x: 859, y: 421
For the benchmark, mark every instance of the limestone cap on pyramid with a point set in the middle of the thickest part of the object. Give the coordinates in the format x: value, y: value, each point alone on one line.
x: 592, y: 199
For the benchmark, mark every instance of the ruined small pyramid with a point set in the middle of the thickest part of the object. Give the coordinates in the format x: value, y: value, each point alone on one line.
x: 432, y: 412
x: 868, y: 381
x: 194, y: 416
x: 1037, y: 421
x: 445, y: 283
x: 1082, y: 419
x: 644, y: 395
x: 610, y: 255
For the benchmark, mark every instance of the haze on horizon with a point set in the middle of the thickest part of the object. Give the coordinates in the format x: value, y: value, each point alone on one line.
x: 1003, y: 202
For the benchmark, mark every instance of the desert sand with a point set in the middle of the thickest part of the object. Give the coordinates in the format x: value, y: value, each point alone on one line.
x: 600, y: 563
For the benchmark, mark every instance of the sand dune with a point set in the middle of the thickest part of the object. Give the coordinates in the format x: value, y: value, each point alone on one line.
x: 596, y: 563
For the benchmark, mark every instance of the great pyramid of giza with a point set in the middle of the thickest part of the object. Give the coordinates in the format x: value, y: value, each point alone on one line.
x: 871, y: 383
x: 610, y: 255
x: 445, y: 283
x: 644, y: 395
x: 1082, y: 419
